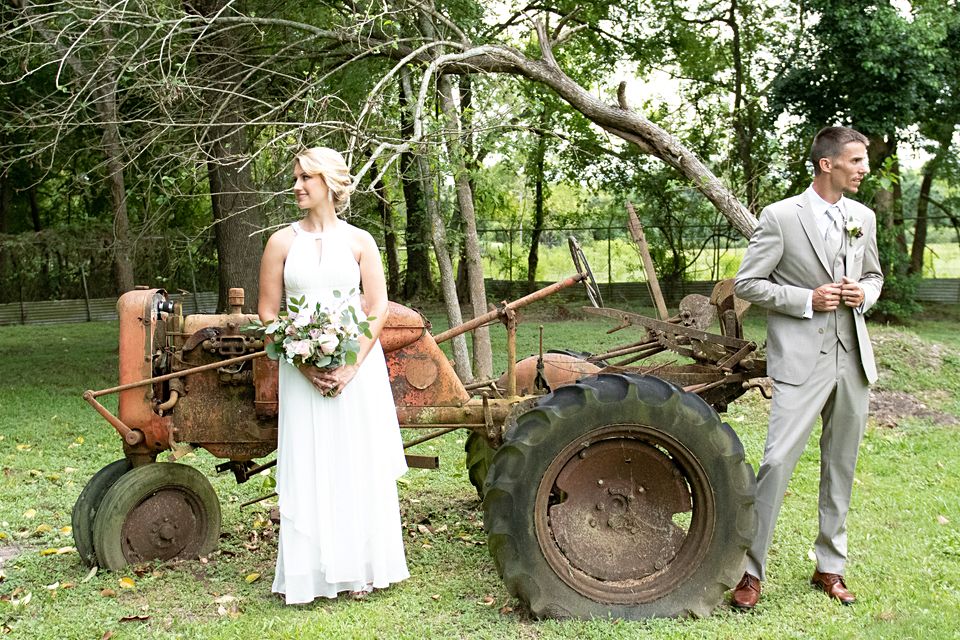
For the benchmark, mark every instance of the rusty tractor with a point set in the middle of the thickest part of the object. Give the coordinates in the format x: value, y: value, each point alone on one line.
x: 611, y: 488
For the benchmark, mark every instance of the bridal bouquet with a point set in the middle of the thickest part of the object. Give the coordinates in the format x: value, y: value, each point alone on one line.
x: 323, y: 337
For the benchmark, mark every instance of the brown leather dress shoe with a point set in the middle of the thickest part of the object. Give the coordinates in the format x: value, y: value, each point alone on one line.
x: 746, y: 593
x: 832, y: 584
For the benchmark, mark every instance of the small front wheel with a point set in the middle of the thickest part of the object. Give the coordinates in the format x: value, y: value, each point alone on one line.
x: 159, y: 511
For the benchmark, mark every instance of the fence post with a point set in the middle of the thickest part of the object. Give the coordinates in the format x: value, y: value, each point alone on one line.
x: 23, y: 312
x: 510, y: 263
x: 86, y: 294
x: 609, y: 255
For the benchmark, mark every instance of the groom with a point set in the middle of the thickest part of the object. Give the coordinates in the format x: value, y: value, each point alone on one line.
x: 812, y: 264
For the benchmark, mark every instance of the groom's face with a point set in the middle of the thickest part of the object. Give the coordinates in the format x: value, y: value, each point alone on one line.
x: 848, y: 169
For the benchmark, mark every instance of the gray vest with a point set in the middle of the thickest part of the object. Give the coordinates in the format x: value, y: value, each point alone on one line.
x: 840, y: 324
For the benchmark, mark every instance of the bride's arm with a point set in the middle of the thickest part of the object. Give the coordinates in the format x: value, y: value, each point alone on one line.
x: 374, y: 291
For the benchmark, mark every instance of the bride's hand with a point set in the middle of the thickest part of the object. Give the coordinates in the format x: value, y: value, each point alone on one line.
x: 330, y: 382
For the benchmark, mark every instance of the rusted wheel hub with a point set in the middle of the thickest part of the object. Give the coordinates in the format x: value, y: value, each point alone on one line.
x: 165, y: 525
x: 623, y: 517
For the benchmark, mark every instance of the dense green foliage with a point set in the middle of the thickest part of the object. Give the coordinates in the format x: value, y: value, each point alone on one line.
x: 742, y: 83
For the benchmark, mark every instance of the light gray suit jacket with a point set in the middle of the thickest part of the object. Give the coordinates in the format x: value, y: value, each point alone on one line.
x: 784, y: 262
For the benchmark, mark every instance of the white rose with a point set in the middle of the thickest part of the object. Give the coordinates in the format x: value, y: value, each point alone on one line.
x: 327, y: 343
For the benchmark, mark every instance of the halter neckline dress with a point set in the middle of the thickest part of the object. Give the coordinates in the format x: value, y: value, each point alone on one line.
x: 338, y: 458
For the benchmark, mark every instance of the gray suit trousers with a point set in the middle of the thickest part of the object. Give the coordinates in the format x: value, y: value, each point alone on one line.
x: 837, y: 390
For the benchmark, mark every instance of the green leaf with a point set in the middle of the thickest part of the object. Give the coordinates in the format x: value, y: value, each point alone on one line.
x: 350, y: 357
x: 274, y: 350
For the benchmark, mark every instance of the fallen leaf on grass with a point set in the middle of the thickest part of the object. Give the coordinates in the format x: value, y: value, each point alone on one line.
x: 24, y: 447
x: 43, y: 528
x: 134, y: 619
x: 811, y: 555
x: 21, y: 602
x: 423, y: 529
x: 52, y: 551
x: 127, y: 583
x: 66, y: 530
x: 435, y: 596
x: 427, y: 545
x: 108, y: 593
x: 251, y: 577
x: 35, y: 473
x: 505, y: 609
x: 488, y: 600
x: 225, y: 599
x: 91, y: 573
x: 68, y: 585
x: 943, y: 520
x: 30, y: 514
x: 3, y: 536
x: 107, y: 635
x: 52, y: 587
x: 63, y: 550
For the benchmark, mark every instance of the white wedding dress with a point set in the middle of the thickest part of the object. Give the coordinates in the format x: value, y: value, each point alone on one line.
x: 338, y: 458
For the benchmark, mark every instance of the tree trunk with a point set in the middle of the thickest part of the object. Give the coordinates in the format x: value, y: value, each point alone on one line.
x: 123, y: 246
x: 4, y: 203
x: 417, y: 281
x: 34, y: 207
x: 448, y: 285
x: 533, y: 258
x: 920, y: 228
x: 389, y: 233
x: 742, y: 115
x: 234, y: 204
x: 482, y: 351
x: 879, y: 150
x: 236, y: 215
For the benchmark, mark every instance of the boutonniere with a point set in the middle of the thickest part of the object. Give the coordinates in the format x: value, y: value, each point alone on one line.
x: 855, y: 227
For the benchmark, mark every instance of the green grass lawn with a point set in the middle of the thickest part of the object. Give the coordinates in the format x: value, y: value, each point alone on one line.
x: 904, y: 522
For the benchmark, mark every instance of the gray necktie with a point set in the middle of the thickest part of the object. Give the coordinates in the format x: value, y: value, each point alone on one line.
x: 833, y: 237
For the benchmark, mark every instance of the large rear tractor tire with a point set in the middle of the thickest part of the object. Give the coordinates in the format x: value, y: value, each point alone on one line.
x: 159, y: 511
x: 620, y: 496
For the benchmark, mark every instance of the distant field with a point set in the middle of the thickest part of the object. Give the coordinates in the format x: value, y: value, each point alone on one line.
x: 620, y: 262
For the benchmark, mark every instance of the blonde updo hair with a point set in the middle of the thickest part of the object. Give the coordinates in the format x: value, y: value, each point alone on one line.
x: 329, y: 165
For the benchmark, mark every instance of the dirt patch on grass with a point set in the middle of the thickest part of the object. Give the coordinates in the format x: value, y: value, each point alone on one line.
x: 890, y: 407
x: 9, y: 552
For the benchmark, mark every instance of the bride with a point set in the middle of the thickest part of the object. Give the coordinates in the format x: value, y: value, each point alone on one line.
x: 339, y: 447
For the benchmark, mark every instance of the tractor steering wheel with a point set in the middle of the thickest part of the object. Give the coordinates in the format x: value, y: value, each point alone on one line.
x: 583, y: 268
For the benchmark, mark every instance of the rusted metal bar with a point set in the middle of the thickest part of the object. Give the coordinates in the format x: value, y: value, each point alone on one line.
x: 511, y: 322
x: 132, y: 437
x: 479, y: 384
x: 430, y: 436
x: 667, y: 327
x: 624, y: 351
x: 728, y: 363
x: 177, y: 374
x: 260, y: 499
x: 469, y: 415
x: 706, y: 386
x: 487, y: 318
x: 636, y: 230
x: 643, y: 354
x: 423, y: 462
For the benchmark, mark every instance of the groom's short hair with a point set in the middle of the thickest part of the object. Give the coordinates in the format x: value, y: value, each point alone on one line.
x: 830, y: 141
